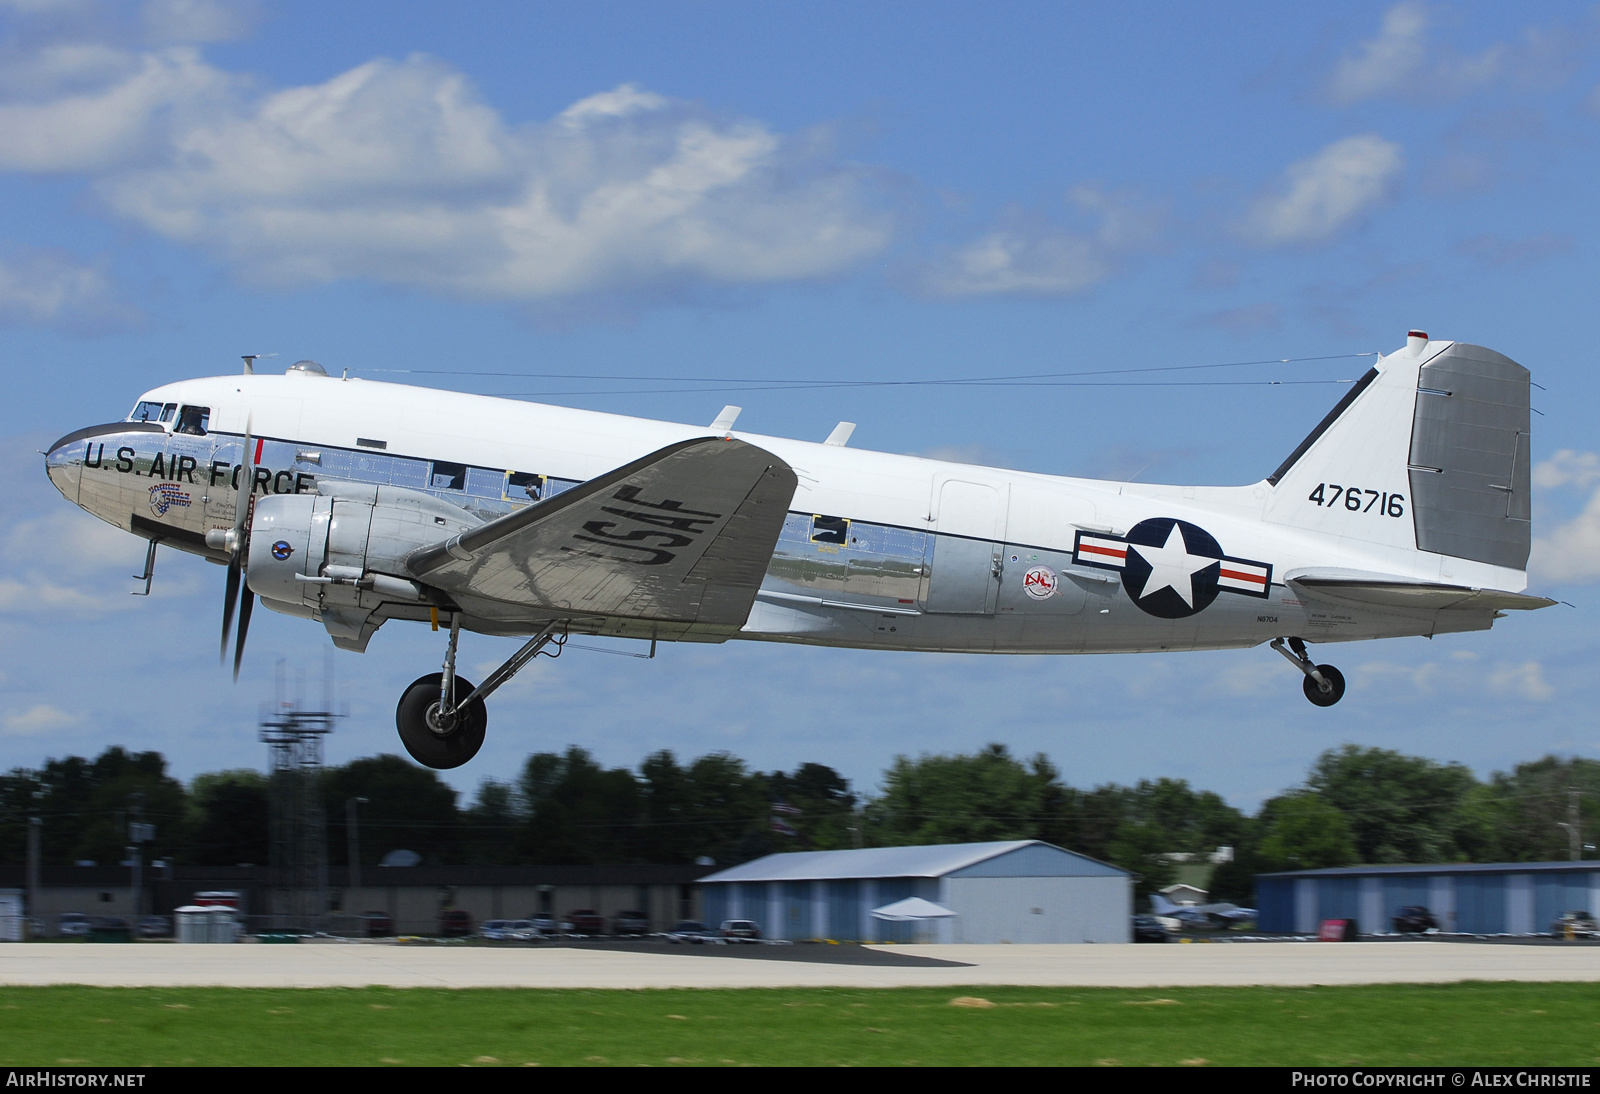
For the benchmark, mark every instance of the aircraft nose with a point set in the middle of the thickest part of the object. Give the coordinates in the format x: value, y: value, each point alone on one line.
x: 64, y: 464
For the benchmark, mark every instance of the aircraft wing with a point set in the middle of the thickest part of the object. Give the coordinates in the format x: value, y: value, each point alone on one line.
x: 682, y: 535
x: 1407, y: 594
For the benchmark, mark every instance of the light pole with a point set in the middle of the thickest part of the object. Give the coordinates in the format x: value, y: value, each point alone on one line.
x: 352, y: 836
x: 35, y: 826
x: 1573, y: 825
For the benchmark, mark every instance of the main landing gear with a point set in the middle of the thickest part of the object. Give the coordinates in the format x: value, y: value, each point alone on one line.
x: 441, y: 716
x: 1324, y: 684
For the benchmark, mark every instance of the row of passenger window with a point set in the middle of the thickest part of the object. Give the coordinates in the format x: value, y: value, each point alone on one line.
x: 877, y: 539
x: 484, y: 483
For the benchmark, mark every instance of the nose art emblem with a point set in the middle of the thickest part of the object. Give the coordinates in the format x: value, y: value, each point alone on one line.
x: 281, y: 550
x: 165, y: 496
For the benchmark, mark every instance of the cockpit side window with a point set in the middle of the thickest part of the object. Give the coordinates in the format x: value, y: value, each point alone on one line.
x: 146, y: 412
x: 194, y: 420
x: 168, y: 411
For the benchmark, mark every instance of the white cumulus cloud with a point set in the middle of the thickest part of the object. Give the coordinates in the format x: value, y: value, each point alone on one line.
x: 1027, y: 255
x: 197, y: 20
x: 105, y: 107
x: 50, y: 289
x: 1384, y: 63
x: 1525, y: 680
x: 1326, y: 193
x: 1567, y: 468
x: 1402, y: 61
x: 397, y: 171
x: 1423, y: 677
x: 85, y: 571
x: 1570, y: 551
x: 1405, y: 60
x: 37, y: 719
x: 1051, y: 262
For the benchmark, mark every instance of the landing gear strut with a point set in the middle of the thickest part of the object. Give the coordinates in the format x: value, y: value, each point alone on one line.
x: 441, y: 716
x: 1324, y: 684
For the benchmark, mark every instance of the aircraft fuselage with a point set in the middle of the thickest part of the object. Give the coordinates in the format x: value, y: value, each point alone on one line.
x: 877, y: 551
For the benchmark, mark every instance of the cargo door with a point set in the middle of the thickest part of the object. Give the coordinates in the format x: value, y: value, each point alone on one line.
x: 969, y: 548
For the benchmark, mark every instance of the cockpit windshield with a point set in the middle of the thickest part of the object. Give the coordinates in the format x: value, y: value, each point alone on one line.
x: 194, y: 420
x: 153, y: 412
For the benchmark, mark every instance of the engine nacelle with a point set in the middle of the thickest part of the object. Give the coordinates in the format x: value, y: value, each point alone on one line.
x: 337, y: 555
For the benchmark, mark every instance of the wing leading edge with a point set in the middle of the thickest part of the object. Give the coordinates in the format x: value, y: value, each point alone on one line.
x: 683, y: 535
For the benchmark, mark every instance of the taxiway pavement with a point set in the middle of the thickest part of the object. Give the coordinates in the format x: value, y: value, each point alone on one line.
x: 328, y: 965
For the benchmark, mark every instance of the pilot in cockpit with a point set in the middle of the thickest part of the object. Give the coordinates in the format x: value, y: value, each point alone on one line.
x: 194, y: 420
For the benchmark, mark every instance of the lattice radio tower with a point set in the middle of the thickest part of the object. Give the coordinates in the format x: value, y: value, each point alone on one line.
x: 297, y: 826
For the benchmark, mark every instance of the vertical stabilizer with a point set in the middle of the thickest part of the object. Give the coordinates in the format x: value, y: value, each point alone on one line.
x: 1429, y: 451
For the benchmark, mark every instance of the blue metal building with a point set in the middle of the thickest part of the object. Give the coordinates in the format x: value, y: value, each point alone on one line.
x: 1010, y: 891
x: 1488, y: 898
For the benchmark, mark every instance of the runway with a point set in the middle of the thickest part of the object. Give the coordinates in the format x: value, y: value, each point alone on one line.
x: 329, y: 965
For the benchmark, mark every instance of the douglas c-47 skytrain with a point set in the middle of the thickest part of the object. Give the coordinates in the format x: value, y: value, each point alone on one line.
x: 352, y: 503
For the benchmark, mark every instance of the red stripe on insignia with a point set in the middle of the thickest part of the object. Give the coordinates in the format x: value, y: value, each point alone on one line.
x: 1237, y: 575
x: 1089, y: 547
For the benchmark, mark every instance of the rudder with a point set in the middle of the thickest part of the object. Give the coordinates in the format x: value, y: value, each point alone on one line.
x: 1469, y: 457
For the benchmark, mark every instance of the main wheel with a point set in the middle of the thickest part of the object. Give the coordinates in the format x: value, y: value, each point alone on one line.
x: 433, y: 741
x: 1313, y: 692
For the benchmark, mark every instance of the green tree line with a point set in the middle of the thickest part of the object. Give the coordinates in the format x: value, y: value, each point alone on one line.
x: 1356, y: 805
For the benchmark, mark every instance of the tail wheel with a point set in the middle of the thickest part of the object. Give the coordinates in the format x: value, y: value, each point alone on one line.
x: 432, y: 740
x: 1321, y: 698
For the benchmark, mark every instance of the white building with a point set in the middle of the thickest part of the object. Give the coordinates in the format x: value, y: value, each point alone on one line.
x: 1012, y: 891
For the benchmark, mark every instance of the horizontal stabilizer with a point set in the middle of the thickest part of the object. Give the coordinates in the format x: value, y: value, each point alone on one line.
x: 1405, y: 594
x: 681, y: 535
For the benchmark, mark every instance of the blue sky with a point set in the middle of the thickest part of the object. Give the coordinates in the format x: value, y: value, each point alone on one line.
x: 881, y: 192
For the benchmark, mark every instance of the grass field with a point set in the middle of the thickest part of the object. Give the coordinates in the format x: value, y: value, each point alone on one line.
x: 1474, y: 1023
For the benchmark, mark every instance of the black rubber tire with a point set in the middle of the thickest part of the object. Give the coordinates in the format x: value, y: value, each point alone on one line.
x: 427, y: 747
x: 1314, y: 693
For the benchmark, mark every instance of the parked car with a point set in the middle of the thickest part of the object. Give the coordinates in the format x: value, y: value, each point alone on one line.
x: 546, y: 923
x: 1147, y: 928
x: 741, y: 930
x: 378, y: 924
x: 496, y: 930
x: 455, y: 923
x: 1414, y: 919
x: 630, y: 923
x: 692, y: 931
x: 155, y: 926
x: 1577, y: 923
x: 74, y: 925
x: 523, y: 930
x: 110, y: 928
x: 586, y: 921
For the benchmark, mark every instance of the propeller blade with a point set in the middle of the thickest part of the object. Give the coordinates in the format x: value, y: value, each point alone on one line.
x: 233, y: 595
x: 247, y: 481
x: 230, y: 598
x: 246, y: 603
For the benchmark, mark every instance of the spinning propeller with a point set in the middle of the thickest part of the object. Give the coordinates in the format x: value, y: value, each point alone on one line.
x: 236, y: 542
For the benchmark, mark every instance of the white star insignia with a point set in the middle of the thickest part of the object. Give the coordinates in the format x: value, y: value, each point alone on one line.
x: 1172, y: 566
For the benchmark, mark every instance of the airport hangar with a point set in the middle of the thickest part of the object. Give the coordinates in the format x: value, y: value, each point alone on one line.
x: 1466, y: 898
x: 1023, y: 891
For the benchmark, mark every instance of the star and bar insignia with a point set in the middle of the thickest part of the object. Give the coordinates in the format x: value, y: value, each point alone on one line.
x: 1171, y: 568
